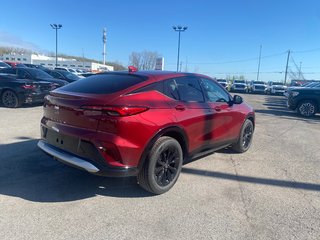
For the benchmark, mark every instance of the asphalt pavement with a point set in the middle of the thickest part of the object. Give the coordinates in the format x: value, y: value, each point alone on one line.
x: 270, y: 192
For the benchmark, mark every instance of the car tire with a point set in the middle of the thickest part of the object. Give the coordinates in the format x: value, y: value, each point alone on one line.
x: 307, y: 108
x: 162, y: 166
x: 245, y: 138
x: 10, y: 99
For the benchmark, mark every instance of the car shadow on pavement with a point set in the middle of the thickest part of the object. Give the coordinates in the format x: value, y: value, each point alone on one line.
x: 28, y: 173
x: 27, y: 105
x: 277, y: 106
x: 254, y: 180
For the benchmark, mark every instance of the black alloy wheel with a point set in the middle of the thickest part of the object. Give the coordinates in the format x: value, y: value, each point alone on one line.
x: 167, y: 166
x: 162, y: 166
x: 10, y: 99
x: 245, y: 138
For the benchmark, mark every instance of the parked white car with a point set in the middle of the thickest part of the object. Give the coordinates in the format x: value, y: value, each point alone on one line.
x: 239, y: 86
x: 257, y: 87
x: 276, y: 88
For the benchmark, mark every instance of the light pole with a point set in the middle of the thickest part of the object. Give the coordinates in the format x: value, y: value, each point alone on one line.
x: 259, y: 63
x: 56, y: 27
x: 179, y: 29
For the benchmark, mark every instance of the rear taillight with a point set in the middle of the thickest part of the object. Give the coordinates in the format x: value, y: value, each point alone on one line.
x: 28, y: 86
x: 116, y: 111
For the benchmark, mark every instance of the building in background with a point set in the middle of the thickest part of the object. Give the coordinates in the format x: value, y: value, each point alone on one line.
x: 50, y: 62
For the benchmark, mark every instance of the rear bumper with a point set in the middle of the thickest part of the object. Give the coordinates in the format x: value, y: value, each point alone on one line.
x: 85, y: 164
x: 32, y: 98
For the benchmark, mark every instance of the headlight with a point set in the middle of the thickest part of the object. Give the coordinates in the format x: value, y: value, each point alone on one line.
x: 294, y: 94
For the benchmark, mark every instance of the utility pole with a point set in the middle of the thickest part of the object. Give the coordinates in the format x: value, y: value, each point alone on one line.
x: 82, y: 58
x: 286, y: 73
x: 104, y: 40
x: 259, y: 63
x: 186, y: 68
x: 300, y: 71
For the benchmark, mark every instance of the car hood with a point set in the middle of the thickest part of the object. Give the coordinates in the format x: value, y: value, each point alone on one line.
x: 305, y: 88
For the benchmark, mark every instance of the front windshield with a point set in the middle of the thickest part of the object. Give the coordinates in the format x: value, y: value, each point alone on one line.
x: 258, y: 82
x: 38, y: 73
x: 277, y: 83
x: 239, y: 81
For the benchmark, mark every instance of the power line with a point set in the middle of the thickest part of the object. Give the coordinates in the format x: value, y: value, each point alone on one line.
x: 306, y: 51
x: 240, y: 60
x: 298, y: 68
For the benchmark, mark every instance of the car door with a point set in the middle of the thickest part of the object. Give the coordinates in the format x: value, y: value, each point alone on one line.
x: 225, y: 124
x: 190, y: 110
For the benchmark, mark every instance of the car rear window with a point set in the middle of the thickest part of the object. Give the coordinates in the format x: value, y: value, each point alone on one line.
x: 104, y: 83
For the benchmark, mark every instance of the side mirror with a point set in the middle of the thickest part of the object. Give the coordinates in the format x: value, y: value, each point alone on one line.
x: 237, y: 99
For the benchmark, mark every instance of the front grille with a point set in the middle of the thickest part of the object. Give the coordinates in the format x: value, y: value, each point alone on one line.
x: 259, y: 87
x: 239, y: 86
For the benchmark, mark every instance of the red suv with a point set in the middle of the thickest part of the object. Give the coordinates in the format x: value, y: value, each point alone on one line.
x: 143, y: 124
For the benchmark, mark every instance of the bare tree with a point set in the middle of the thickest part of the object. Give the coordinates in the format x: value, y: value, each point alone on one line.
x: 145, y: 60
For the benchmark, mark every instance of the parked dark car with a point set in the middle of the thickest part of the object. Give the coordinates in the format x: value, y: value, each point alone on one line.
x: 306, y: 100
x: 87, y: 74
x: 14, y: 91
x: 33, y: 74
x: 29, y: 65
x: 64, y: 75
x: 15, y: 64
x: 143, y: 124
x: 4, y: 65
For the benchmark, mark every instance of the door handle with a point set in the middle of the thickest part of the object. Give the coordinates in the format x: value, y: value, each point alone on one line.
x: 218, y: 109
x: 180, y: 107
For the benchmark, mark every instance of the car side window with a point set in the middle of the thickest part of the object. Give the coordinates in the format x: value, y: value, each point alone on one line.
x: 189, y: 89
x: 214, y: 92
x: 170, y: 89
x: 23, y: 74
x: 158, y: 86
x: 8, y: 70
x: 56, y: 75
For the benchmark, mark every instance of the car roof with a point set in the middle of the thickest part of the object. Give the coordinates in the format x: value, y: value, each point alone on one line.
x: 156, y: 74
